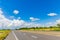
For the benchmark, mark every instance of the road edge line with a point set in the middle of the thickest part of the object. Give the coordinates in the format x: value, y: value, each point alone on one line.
x: 15, y: 35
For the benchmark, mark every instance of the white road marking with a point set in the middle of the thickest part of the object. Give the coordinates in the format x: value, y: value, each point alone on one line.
x: 15, y: 35
x: 34, y: 36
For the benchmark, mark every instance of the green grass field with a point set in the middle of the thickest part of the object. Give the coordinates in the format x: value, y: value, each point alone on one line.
x: 42, y: 29
x: 50, y: 28
x: 3, y: 34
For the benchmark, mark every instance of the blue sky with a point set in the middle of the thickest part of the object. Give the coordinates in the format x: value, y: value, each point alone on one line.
x: 40, y: 11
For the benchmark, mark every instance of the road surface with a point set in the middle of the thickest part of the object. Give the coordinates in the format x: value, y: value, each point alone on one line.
x: 18, y: 35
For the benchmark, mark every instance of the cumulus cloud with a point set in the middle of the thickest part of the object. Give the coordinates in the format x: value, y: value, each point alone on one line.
x: 6, y: 23
x: 15, y: 11
x: 58, y: 21
x: 53, y: 23
x: 10, y: 24
x: 16, y: 23
x: 52, y: 14
x: 32, y: 24
x: 34, y: 19
x: 50, y: 24
x: 3, y: 20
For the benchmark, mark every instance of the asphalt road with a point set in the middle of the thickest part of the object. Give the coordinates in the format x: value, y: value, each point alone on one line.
x: 18, y: 35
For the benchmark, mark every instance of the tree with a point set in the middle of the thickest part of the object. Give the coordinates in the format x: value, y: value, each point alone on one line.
x: 51, y: 26
x: 58, y: 25
x: 33, y: 28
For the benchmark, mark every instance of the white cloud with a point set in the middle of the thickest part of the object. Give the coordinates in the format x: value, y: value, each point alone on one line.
x: 34, y: 19
x: 3, y: 21
x: 50, y: 24
x: 32, y: 24
x: 15, y: 23
x: 52, y: 14
x: 53, y: 23
x: 58, y: 21
x: 18, y: 22
x: 15, y: 11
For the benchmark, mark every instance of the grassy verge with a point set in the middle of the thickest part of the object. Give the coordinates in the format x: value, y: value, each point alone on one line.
x: 3, y: 34
x: 42, y: 29
x: 50, y: 28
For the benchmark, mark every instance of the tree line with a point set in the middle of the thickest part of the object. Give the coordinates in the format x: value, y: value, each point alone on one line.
x: 54, y: 28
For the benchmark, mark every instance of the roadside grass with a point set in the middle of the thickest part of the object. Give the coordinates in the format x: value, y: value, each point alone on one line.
x: 50, y: 28
x: 3, y: 34
x: 42, y: 29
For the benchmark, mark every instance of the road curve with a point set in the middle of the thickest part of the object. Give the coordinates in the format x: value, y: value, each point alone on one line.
x: 18, y: 35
